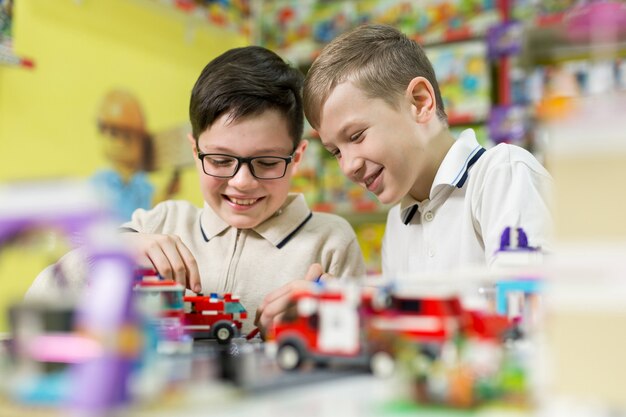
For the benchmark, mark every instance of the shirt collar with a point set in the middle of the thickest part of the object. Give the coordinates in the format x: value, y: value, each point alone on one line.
x: 456, y: 161
x: 277, y: 229
x: 452, y: 171
x: 211, y: 224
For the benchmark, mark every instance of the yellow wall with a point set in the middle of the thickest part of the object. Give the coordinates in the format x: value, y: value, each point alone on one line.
x: 81, y: 50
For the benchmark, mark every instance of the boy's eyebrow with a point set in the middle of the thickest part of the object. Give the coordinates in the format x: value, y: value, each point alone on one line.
x: 220, y: 149
x: 342, y: 134
x: 344, y: 130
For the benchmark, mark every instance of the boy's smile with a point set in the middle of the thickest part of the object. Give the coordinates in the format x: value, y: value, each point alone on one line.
x: 244, y: 201
x: 374, y: 182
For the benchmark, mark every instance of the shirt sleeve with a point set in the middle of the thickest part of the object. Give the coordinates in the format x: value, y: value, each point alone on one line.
x: 66, y: 277
x: 514, y: 193
x: 349, y: 261
x: 147, y: 221
x: 339, y: 250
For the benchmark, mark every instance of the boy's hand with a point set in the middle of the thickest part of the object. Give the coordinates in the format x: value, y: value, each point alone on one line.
x: 168, y: 255
x: 274, y: 304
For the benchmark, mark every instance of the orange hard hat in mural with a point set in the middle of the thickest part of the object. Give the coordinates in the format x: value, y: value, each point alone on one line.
x: 122, y: 110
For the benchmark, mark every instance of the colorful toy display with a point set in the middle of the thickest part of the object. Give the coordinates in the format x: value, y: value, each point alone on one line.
x: 103, y: 339
x: 464, y: 81
x: 467, y: 373
x: 509, y: 124
x: 326, y: 188
x: 542, y: 12
x: 480, y: 131
x: 505, y: 39
x: 340, y: 195
x: 307, y: 178
x: 300, y: 28
x: 230, y: 14
x: 370, y: 236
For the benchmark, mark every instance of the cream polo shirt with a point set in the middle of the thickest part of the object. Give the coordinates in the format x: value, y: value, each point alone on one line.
x: 474, y: 196
x: 250, y: 262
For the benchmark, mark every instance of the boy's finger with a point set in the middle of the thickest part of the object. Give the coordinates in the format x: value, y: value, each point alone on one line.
x: 183, y: 264
x: 161, y: 263
x: 326, y: 276
x: 193, y: 273
x: 314, y: 272
x: 178, y: 267
x: 257, y: 317
x: 269, y: 310
x: 278, y: 293
x: 272, y: 310
x: 278, y: 317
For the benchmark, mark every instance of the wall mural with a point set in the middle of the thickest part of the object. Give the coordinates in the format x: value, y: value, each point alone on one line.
x: 132, y: 151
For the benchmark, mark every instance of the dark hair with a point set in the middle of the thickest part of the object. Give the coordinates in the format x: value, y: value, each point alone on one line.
x: 245, y: 82
x: 378, y: 59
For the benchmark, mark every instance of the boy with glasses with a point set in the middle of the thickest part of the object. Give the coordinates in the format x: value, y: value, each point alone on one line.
x: 252, y: 236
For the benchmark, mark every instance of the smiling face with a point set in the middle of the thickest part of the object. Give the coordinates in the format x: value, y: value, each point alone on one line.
x: 244, y: 201
x: 386, y: 150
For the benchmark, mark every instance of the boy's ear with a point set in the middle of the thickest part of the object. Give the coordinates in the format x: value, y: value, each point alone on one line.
x: 421, y: 96
x: 192, y: 141
x: 298, y: 155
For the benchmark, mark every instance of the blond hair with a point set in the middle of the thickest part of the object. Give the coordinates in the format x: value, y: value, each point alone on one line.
x: 380, y: 60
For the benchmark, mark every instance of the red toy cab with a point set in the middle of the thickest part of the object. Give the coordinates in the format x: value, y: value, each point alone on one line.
x: 214, y: 316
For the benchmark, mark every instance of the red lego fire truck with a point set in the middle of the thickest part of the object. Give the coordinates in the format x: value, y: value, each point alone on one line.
x: 177, y: 316
x: 214, y: 316
x: 351, y: 324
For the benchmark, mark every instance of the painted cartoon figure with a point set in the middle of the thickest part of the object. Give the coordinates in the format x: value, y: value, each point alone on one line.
x: 127, y: 146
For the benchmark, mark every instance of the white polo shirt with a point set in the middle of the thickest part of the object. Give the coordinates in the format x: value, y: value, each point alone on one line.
x: 476, y: 194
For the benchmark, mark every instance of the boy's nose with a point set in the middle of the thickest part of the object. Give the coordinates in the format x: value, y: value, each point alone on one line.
x: 243, y: 178
x: 351, y: 166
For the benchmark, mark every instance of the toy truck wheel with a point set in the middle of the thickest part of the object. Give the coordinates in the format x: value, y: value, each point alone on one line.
x: 223, y: 333
x: 289, y: 357
x: 382, y: 364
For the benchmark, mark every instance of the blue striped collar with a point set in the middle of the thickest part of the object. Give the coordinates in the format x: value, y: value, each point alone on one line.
x: 461, y: 156
x: 453, y: 171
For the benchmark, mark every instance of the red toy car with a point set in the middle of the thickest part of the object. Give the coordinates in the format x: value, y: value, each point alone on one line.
x: 214, y: 316
x: 353, y: 325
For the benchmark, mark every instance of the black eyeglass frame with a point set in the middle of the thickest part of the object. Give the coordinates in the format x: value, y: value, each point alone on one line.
x: 245, y: 160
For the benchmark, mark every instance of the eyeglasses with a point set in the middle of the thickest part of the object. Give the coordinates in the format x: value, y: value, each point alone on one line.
x: 262, y: 167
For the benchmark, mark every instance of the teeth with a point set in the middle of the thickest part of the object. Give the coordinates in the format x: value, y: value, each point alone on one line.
x: 371, y: 178
x: 248, y: 202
